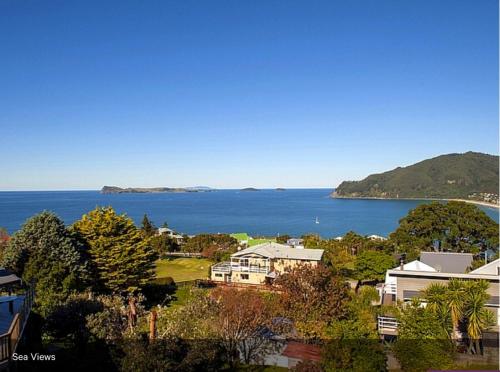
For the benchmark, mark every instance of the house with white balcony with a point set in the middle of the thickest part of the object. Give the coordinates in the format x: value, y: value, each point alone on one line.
x: 262, y: 263
x: 171, y: 234
x: 408, y: 281
x: 388, y: 289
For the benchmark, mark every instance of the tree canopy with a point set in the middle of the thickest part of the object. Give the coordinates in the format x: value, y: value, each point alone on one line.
x: 313, y: 297
x: 121, y: 257
x: 44, y: 251
x: 372, y: 265
x: 4, y: 239
x: 210, y: 242
x: 148, y: 228
x: 455, y: 226
x: 422, y: 342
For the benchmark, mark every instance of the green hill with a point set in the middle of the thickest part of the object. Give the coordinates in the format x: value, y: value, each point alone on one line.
x: 454, y: 176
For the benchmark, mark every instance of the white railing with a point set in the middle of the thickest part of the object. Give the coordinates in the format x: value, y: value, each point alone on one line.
x: 227, y: 267
x: 390, y: 288
x: 251, y: 269
x: 387, y: 322
x: 223, y: 267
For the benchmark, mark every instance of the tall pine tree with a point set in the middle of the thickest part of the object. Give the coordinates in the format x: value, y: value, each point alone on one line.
x: 121, y: 257
x: 44, y: 251
x: 148, y: 227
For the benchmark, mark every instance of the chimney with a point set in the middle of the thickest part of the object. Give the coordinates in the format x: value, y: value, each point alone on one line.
x: 401, y: 263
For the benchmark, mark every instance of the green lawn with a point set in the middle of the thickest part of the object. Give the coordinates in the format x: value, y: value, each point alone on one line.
x: 182, y: 269
x: 253, y: 242
x: 182, y: 296
x: 240, y: 236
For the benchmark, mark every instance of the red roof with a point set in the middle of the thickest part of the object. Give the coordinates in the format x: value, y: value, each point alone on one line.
x: 301, y: 351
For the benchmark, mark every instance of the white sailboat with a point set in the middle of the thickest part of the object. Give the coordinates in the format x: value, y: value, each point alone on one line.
x: 317, y: 220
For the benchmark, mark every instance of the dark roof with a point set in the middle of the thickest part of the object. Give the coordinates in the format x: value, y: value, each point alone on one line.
x: 447, y: 262
x: 7, y: 277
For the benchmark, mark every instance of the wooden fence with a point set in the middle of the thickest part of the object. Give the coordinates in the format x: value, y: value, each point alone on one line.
x: 182, y: 254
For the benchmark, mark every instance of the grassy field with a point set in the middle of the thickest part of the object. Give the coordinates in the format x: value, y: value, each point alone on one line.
x: 240, y: 236
x: 253, y: 242
x: 181, y: 269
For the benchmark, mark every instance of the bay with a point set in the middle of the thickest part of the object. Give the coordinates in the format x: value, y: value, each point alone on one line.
x: 265, y: 212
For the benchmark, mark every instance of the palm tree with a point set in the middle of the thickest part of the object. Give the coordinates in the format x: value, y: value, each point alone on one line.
x: 435, y: 296
x: 456, y: 304
x: 461, y: 301
x: 477, y: 316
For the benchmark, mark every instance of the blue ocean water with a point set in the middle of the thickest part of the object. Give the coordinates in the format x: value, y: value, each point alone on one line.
x: 265, y: 212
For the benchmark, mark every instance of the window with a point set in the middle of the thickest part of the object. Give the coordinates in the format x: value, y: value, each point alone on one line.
x: 218, y: 275
x: 244, y: 276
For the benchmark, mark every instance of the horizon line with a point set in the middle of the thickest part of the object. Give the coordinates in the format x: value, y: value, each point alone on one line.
x: 211, y: 188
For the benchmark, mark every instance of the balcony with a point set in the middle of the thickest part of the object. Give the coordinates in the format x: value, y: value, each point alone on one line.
x: 387, y: 325
x: 251, y: 269
x: 14, y: 313
x: 222, y: 267
x: 228, y: 267
x: 390, y: 288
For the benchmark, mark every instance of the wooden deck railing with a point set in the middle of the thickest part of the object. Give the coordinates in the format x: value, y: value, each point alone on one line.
x: 10, y: 340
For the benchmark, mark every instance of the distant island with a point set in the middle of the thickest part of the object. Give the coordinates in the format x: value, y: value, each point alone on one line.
x: 280, y: 189
x: 471, y: 176
x: 149, y: 190
x: 249, y: 189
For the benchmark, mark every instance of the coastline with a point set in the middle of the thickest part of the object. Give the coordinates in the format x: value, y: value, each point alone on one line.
x: 476, y: 202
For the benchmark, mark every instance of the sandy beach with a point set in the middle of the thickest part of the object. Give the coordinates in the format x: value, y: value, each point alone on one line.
x: 477, y: 202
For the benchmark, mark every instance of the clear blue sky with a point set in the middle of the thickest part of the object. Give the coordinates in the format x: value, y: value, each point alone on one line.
x: 240, y: 93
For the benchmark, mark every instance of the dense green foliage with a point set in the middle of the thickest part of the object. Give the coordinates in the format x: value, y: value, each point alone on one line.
x: 460, y: 307
x: 162, y: 244
x: 121, y: 257
x: 147, y: 227
x: 44, y: 251
x: 352, y: 355
x: 422, y: 343
x: 213, y: 246
x: 446, y: 176
x: 282, y: 239
x: 372, y: 265
x: 173, y: 354
x: 427, y: 335
x: 313, y: 297
x: 4, y: 239
x: 456, y: 226
x: 353, y: 340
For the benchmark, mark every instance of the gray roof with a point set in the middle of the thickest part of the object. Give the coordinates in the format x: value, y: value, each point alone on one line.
x: 275, y: 250
x: 447, y: 262
x: 7, y: 277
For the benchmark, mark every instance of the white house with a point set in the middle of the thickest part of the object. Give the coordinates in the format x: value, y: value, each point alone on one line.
x: 262, y: 263
x: 390, y: 285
